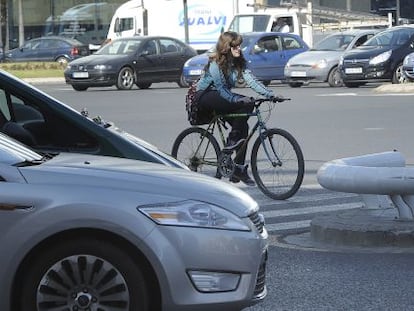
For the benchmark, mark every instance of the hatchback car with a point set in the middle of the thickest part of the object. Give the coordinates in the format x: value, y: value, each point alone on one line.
x: 85, y: 232
x: 320, y: 64
x: 127, y: 61
x: 49, y: 126
x: 266, y: 54
x: 379, y: 59
x: 51, y: 48
x: 408, y: 67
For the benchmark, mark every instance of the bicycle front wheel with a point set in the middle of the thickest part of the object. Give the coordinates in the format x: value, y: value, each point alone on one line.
x: 198, y: 149
x: 277, y: 164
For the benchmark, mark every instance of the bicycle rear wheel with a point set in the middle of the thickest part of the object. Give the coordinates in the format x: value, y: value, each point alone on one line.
x: 198, y: 149
x: 280, y: 174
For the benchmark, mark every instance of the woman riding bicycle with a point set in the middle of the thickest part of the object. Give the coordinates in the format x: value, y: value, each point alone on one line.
x: 226, y: 67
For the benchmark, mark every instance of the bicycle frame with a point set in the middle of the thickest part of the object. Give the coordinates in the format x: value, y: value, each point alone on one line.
x: 259, y: 125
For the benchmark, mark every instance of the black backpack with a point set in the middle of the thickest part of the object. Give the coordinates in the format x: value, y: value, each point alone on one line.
x: 195, y: 115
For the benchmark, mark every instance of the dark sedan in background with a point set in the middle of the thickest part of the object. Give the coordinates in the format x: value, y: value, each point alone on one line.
x: 266, y: 53
x: 128, y: 61
x: 379, y: 59
x: 48, y: 49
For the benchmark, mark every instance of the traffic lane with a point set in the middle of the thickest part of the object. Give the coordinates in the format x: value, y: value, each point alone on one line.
x: 311, y: 280
x: 328, y: 122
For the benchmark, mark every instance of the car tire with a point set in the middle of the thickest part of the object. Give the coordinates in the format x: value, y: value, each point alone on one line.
x: 398, y: 76
x: 144, y: 85
x: 183, y: 82
x: 334, y: 78
x: 266, y: 82
x: 125, y: 80
x: 84, y: 274
x: 79, y: 87
x: 62, y: 60
x: 295, y: 84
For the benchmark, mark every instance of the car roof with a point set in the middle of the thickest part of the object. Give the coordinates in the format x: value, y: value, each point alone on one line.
x: 354, y: 32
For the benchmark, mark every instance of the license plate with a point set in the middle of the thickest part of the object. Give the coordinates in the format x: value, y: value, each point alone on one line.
x: 80, y: 75
x: 353, y: 70
x: 196, y: 72
x: 298, y: 74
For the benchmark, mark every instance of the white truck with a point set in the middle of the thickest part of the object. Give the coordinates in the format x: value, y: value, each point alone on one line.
x: 306, y: 21
x: 206, y: 19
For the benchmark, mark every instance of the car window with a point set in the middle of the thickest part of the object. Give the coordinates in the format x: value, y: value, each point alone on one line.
x: 382, y: 39
x: 5, y: 112
x: 267, y: 45
x: 361, y: 40
x: 118, y: 47
x: 47, y: 130
x: 31, y: 45
x: 150, y: 47
x: 291, y: 43
x: 337, y: 42
x: 169, y: 46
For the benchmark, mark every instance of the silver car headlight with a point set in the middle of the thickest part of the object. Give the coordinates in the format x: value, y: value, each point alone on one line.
x: 102, y: 67
x: 192, y: 213
x: 383, y: 57
x: 187, y: 63
x: 409, y: 59
x: 320, y: 64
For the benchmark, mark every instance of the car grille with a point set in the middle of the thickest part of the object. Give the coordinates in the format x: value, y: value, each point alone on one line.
x: 356, y: 62
x: 261, y: 278
x: 258, y: 221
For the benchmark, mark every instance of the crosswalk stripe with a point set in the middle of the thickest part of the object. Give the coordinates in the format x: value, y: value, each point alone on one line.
x: 301, y: 224
x: 310, y: 210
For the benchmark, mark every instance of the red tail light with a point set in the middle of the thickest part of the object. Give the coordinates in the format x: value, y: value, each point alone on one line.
x: 74, y: 51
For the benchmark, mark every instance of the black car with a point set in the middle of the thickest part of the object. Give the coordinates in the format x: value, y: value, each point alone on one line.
x: 49, y: 126
x: 51, y: 48
x: 128, y: 61
x: 378, y: 59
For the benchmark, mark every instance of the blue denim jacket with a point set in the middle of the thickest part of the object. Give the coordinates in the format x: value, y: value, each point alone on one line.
x: 215, y: 75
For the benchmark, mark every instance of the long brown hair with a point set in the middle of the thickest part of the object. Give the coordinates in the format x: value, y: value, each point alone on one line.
x: 223, y: 55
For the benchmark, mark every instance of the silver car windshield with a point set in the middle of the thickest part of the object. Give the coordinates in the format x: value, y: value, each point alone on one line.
x: 12, y: 152
x: 334, y: 43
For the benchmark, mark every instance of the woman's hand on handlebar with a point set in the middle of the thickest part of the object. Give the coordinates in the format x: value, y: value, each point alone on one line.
x: 278, y: 99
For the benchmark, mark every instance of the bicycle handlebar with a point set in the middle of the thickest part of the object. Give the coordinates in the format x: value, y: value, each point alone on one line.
x: 278, y: 99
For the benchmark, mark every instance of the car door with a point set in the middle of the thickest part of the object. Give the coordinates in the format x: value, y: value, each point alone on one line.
x: 148, y: 65
x: 47, y: 49
x: 172, y: 58
x: 267, y: 59
x: 28, y: 52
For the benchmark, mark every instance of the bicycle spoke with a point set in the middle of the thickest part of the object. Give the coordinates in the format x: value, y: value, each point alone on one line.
x: 198, y: 149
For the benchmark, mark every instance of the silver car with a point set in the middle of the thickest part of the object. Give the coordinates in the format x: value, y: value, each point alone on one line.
x: 408, y: 68
x: 320, y: 64
x: 87, y: 232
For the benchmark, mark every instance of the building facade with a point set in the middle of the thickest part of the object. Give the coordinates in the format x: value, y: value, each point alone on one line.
x: 88, y: 20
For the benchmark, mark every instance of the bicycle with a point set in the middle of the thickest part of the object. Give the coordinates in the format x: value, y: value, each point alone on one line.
x: 276, y: 158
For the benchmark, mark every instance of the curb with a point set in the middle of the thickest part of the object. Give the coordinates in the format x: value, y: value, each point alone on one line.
x: 363, y: 227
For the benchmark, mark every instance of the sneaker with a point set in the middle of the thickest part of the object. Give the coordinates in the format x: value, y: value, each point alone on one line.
x: 240, y: 174
x: 232, y: 144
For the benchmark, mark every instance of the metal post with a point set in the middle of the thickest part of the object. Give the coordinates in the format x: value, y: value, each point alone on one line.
x: 186, y: 21
x: 397, y: 13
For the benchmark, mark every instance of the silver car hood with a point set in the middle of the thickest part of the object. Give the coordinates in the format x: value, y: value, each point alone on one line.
x: 310, y: 57
x: 90, y: 171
